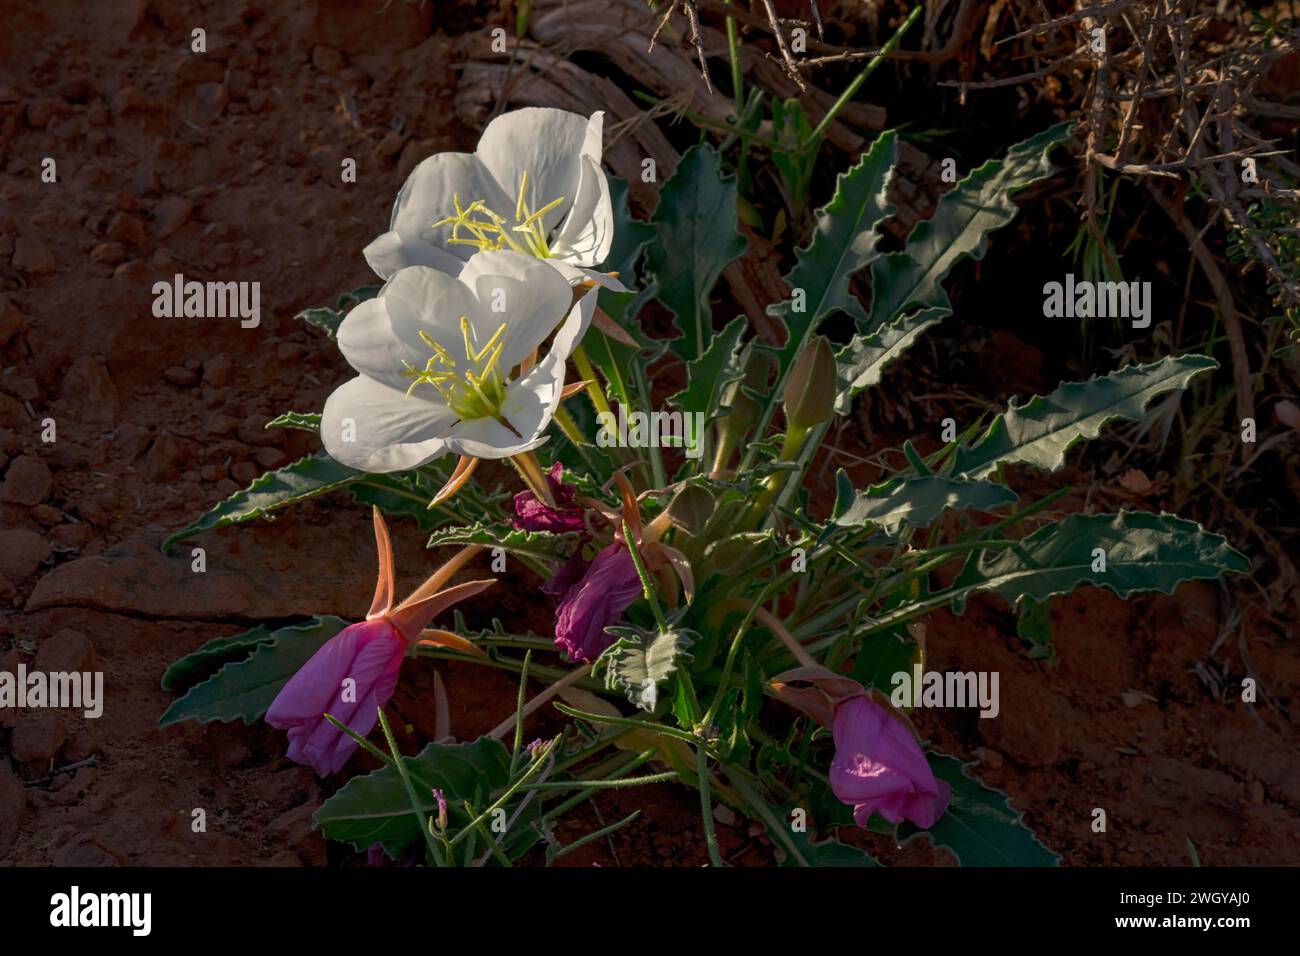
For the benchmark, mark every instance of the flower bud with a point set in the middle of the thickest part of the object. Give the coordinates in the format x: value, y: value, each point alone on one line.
x: 810, y: 390
x: 691, y: 508
x: 744, y: 410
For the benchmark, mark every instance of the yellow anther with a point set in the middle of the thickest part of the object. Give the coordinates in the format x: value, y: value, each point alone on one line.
x: 491, y: 231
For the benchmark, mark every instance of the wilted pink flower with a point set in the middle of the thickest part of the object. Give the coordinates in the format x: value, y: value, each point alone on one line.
x: 534, y: 515
x: 879, y: 767
x: 609, y: 587
x: 570, y: 573
x: 354, y: 673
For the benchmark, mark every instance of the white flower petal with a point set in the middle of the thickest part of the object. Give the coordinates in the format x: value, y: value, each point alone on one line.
x: 587, y: 232
x: 545, y: 143
x: 575, y: 326
x: 424, y: 299
x: 488, y: 438
x: 370, y: 427
x: 379, y: 335
x: 389, y: 253
x: 576, y: 275
x: 427, y: 196
x: 534, y: 299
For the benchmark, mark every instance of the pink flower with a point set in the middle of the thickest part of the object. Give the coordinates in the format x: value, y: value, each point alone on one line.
x: 351, y: 676
x: 879, y: 767
x: 534, y: 515
x: 354, y: 673
x: 609, y: 587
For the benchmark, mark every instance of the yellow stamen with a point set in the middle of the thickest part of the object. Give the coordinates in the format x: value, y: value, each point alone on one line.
x: 478, y: 226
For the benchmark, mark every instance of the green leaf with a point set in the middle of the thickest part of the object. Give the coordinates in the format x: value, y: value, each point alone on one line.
x: 376, y: 808
x: 811, y: 851
x: 861, y: 363
x: 881, y: 656
x: 330, y: 319
x: 979, y: 826
x: 245, y: 689
x: 307, y: 421
x: 1143, y: 552
x: 638, y: 662
x: 919, y: 501
x: 1040, y: 432
x: 695, y: 239
x: 303, y: 478
x: 403, y: 494
x: 219, y: 650
x: 709, y: 375
x: 1034, y: 624
x: 843, y: 242
x: 535, y: 544
x: 905, y: 281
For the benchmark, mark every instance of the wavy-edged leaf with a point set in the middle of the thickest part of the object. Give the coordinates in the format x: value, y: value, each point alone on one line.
x: 919, y: 501
x: 843, y: 242
x: 305, y: 477
x: 905, y: 281
x: 244, y: 689
x: 861, y: 363
x: 306, y: 421
x: 376, y: 808
x: 535, y: 544
x: 881, y: 656
x: 708, y: 376
x: 1041, y: 431
x: 638, y: 661
x: 979, y: 826
x: 695, y: 239
x: 328, y: 319
x: 220, y: 650
x: 1143, y: 552
x: 399, y: 495
x: 801, y: 846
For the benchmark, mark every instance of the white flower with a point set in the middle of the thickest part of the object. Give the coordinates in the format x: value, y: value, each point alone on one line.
x: 534, y: 185
x: 438, y: 355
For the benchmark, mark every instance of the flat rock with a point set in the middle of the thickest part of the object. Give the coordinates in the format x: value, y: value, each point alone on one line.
x: 67, y: 650
x: 33, y: 256
x: 37, y: 738
x: 171, y: 214
x: 21, y: 553
x: 89, y: 385
x: 134, y: 577
x: 27, y: 482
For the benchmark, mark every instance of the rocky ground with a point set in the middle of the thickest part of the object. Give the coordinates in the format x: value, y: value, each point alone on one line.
x: 117, y: 427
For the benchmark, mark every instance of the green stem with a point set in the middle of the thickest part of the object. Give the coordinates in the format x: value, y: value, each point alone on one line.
x: 405, y: 774
x: 733, y: 49
x: 732, y: 653
x: 706, y: 807
x: 647, y: 586
x: 539, y: 762
x: 851, y: 90
x: 605, y: 784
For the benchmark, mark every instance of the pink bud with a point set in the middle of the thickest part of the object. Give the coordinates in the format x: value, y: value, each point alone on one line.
x: 350, y: 677
x: 879, y: 767
x: 608, y: 588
